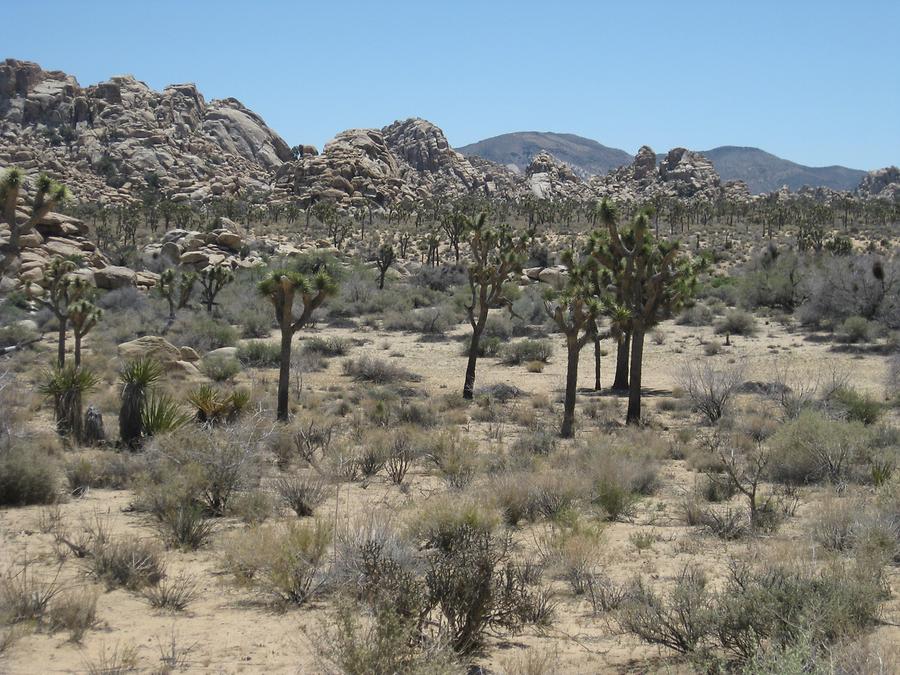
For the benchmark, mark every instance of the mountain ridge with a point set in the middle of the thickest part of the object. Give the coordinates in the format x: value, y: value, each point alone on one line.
x: 762, y: 171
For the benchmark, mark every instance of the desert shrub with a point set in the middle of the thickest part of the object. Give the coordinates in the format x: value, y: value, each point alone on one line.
x: 285, y: 563
x: 385, y: 643
x: 500, y: 392
x: 101, y: 470
x: 773, y: 279
x: 854, y: 329
x: 813, y: 448
x: 184, y: 524
x: 302, y: 494
x: 698, y: 314
x: 220, y: 368
x: 736, y: 322
x: 27, y: 476
x: 536, y: 442
x: 173, y: 593
x: 575, y: 552
x: 401, y: 450
x: 711, y: 389
x: 454, y: 457
x: 327, y: 346
x: 680, y: 620
x: 210, y: 465
x: 377, y: 371
x: 126, y: 562
x: 712, y: 347
x: 418, y: 413
x: 510, y: 493
x: 161, y: 414
x: 620, y: 477
x: 259, y: 354
x: 18, y: 333
x: 74, y: 611
x: 252, y: 507
x: 474, y: 586
x: 554, y: 494
x: 25, y: 595
x: 716, y: 487
x: 858, y: 407
x: 772, y: 605
x: 524, y: 351
x: 728, y: 523
x: 441, y: 278
x: 202, y: 332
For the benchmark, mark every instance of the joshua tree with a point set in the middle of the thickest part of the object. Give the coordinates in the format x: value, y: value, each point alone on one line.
x: 496, y: 254
x: 137, y: 377
x: 176, y: 289
x: 62, y: 292
x: 620, y: 319
x: 66, y: 384
x: 49, y: 195
x: 574, y: 309
x: 83, y: 315
x: 282, y: 287
x: 212, y: 280
x: 454, y: 226
x: 384, y: 257
x: 651, y: 278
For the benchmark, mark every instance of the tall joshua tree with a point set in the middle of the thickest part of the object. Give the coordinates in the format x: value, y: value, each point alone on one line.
x: 48, y: 196
x: 574, y: 309
x: 62, y: 292
x: 176, y: 289
x: 282, y: 287
x: 83, y: 315
x: 496, y: 254
x: 652, y: 279
x: 212, y: 280
x: 620, y: 327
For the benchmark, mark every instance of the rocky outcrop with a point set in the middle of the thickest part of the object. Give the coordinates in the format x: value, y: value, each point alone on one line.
x: 548, y: 178
x: 881, y: 184
x: 111, y: 139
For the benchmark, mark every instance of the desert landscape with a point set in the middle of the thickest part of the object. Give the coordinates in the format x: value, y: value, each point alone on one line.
x: 533, y: 405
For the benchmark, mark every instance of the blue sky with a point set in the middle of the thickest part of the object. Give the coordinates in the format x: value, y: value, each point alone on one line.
x: 814, y: 82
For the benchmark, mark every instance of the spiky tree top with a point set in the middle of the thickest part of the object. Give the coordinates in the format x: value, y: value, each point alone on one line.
x: 49, y: 194
x: 497, y: 252
x: 282, y: 286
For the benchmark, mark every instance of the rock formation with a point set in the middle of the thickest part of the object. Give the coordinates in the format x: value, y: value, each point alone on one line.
x: 881, y: 184
x: 111, y: 139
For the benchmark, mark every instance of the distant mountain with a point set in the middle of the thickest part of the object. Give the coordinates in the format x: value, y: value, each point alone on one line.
x: 764, y: 172
x: 516, y: 150
x: 760, y: 170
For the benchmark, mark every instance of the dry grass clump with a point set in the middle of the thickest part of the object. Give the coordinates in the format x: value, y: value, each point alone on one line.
x: 28, y: 475
x: 286, y: 564
x: 301, y: 493
x: 173, y: 593
x: 621, y: 473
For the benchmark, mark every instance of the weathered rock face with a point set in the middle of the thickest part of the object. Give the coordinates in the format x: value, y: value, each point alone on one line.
x: 881, y: 184
x: 104, y: 140
x: 682, y: 174
x: 548, y: 178
x: 409, y: 160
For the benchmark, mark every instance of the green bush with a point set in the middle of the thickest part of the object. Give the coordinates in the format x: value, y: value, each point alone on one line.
x: 854, y: 329
x: 736, y: 322
x: 524, y: 351
x: 202, y: 332
x: 27, y: 476
x: 859, y: 407
x: 259, y: 354
x: 220, y: 368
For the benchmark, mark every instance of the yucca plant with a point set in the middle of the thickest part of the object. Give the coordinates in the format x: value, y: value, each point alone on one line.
x: 137, y: 377
x: 212, y: 406
x: 161, y: 414
x: 66, y: 386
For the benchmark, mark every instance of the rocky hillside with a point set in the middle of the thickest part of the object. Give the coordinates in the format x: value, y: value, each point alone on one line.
x: 881, y: 184
x: 409, y: 160
x: 517, y: 150
x: 107, y: 140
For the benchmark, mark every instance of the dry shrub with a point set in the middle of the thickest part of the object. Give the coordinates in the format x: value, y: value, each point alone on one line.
x: 74, y: 611
x: 27, y: 476
x: 173, y: 593
x: 286, y: 564
x: 711, y: 389
x: 301, y: 493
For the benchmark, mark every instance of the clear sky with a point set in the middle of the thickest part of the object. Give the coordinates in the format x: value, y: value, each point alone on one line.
x: 814, y: 82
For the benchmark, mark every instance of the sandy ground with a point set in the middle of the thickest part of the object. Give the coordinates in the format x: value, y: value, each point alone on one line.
x: 227, y: 631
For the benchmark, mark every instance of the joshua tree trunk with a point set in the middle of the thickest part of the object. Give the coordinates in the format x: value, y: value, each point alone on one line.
x: 634, y: 390
x: 573, y: 349
x: 77, y: 348
x: 621, y: 381
x: 61, y: 343
x: 68, y: 414
x: 597, y: 385
x: 477, y: 330
x: 381, y: 274
x: 284, y: 371
x: 130, y: 423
